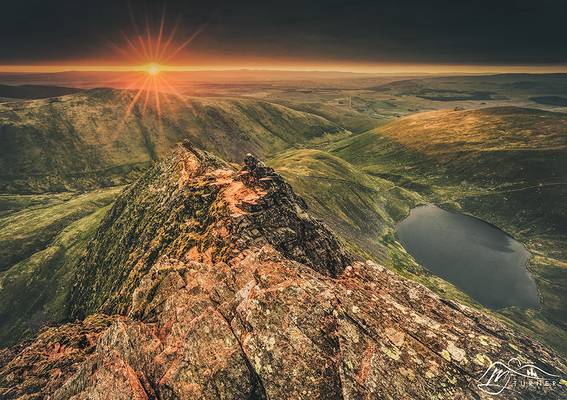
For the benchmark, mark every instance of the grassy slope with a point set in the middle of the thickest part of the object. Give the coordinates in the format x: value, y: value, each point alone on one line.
x: 350, y: 119
x: 489, y: 163
x: 31, y: 226
x: 85, y: 140
x: 356, y: 204
x: 359, y: 185
x: 41, y: 238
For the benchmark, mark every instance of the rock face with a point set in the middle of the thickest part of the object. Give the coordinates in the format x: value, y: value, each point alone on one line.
x: 195, y: 207
x: 221, y: 286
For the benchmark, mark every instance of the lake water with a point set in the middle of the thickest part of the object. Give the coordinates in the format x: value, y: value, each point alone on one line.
x: 478, y: 258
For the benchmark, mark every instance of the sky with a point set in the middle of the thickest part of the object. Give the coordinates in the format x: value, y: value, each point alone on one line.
x: 290, y: 33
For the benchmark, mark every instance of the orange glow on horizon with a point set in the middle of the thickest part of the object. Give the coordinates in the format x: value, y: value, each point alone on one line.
x: 155, y: 49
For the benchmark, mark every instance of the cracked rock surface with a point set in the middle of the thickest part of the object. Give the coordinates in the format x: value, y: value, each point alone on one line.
x: 208, y: 282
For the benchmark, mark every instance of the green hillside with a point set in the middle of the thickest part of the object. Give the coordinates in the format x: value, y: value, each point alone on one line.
x: 506, y: 165
x: 359, y: 206
x: 362, y: 209
x: 89, y: 139
x: 41, y: 239
x: 513, y: 153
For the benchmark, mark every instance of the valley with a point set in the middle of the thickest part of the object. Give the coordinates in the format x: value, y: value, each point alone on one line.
x: 105, y: 137
x: 465, y: 164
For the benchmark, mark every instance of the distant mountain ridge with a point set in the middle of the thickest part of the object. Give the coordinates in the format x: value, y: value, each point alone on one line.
x: 35, y: 91
x: 88, y: 139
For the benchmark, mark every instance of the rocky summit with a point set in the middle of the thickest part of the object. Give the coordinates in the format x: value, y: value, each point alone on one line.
x: 210, y: 281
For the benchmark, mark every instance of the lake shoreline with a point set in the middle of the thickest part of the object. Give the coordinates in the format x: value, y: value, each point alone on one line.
x: 472, y: 251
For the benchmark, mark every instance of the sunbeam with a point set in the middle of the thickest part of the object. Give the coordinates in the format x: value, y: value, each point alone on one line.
x: 151, y: 50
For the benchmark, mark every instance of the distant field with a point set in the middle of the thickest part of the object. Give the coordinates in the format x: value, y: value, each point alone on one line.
x: 550, y: 100
x: 454, y: 95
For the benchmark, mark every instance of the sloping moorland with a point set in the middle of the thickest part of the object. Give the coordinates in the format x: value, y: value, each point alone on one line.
x: 65, y: 159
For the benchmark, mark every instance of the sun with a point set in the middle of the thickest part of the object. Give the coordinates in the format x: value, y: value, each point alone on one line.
x: 151, y: 87
x: 153, y: 69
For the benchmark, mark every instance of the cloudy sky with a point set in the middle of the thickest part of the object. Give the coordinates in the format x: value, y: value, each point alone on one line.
x: 291, y: 32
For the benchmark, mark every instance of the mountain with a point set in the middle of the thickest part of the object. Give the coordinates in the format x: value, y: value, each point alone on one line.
x: 362, y: 209
x: 359, y: 207
x: 84, y: 141
x: 217, y: 283
x: 501, y: 164
x: 34, y: 91
x: 105, y: 137
x: 83, y: 147
x: 491, y: 153
x: 169, y: 218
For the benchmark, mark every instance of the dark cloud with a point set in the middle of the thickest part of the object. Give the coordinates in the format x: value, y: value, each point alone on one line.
x: 415, y: 31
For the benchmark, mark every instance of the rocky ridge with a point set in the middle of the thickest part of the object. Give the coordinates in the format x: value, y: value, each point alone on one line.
x: 218, y: 284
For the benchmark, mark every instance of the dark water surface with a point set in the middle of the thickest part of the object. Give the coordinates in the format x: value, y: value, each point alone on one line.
x: 478, y: 258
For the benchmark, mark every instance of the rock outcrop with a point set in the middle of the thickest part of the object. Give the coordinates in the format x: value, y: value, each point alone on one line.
x: 219, y: 285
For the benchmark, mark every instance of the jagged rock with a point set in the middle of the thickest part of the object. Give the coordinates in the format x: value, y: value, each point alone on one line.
x: 32, y: 369
x: 227, y: 289
x: 195, y: 206
x: 255, y: 169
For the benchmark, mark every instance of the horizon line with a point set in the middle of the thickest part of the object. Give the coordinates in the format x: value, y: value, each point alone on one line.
x: 337, y: 68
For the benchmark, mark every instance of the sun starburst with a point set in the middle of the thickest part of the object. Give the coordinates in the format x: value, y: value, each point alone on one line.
x: 150, y: 87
